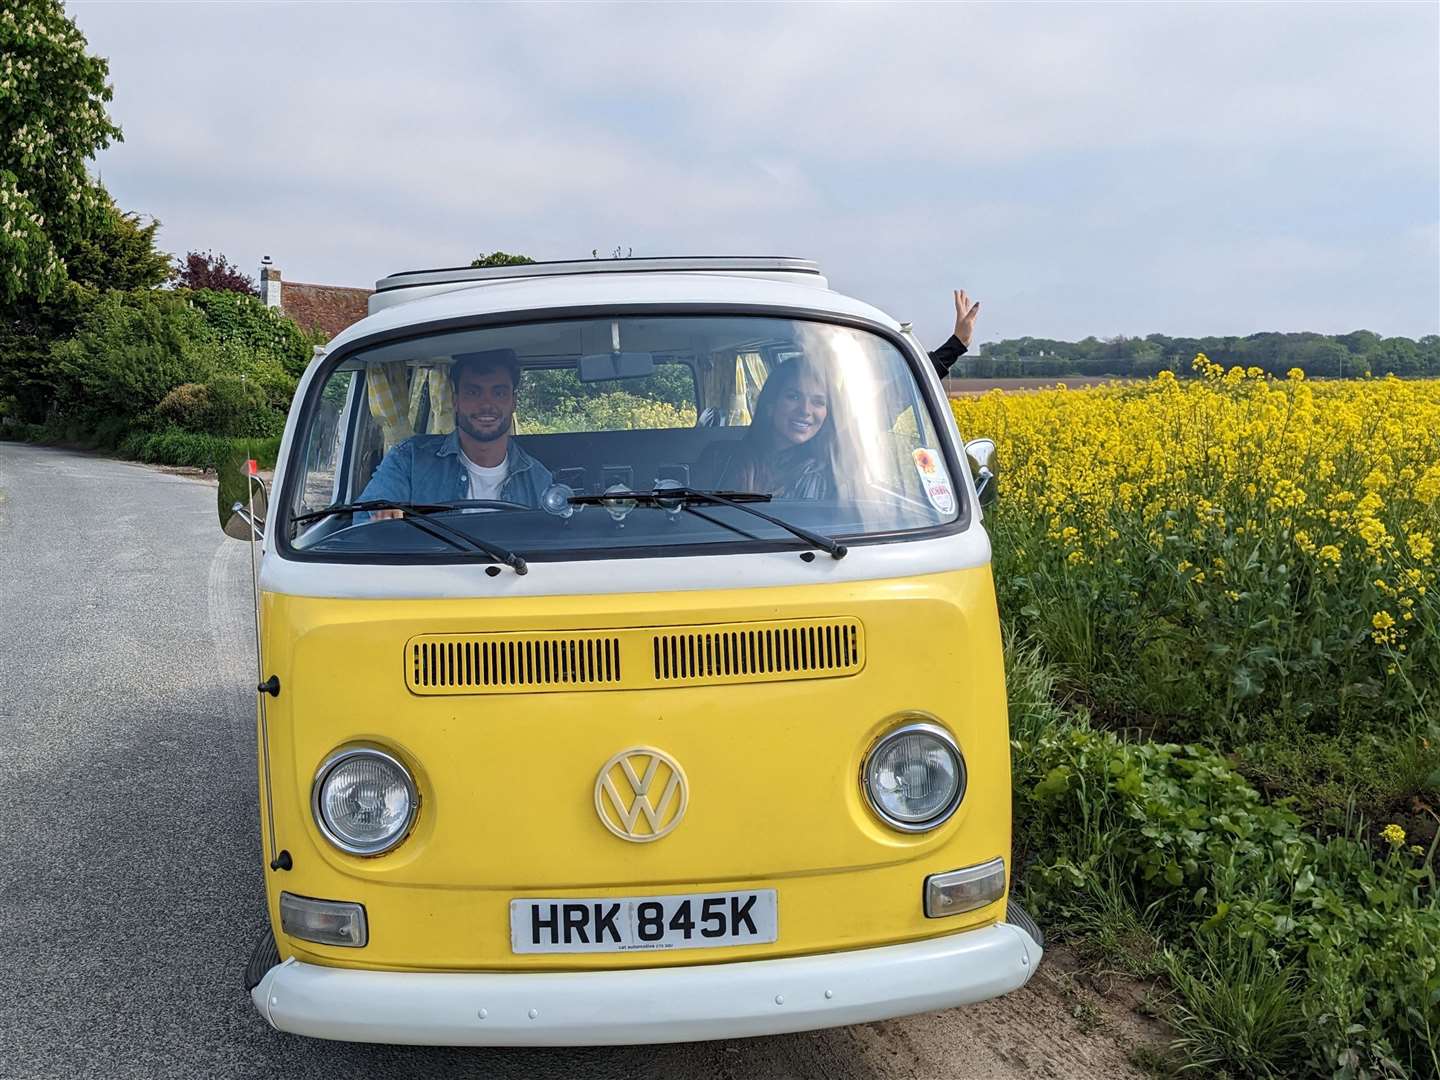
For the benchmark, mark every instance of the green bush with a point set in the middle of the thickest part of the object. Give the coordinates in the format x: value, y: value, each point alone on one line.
x: 186, y: 406
x: 1352, y: 935
x: 237, y: 406
x: 131, y: 350
x: 207, y: 363
x: 225, y: 404
x: 257, y: 331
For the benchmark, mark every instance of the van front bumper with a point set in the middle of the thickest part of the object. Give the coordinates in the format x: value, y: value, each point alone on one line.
x: 648, y: 1005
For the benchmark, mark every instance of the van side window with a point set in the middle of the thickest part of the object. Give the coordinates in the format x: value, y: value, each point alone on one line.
x: 324, y: 451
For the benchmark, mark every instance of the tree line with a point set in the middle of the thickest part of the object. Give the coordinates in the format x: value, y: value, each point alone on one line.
x: 1359, y: 353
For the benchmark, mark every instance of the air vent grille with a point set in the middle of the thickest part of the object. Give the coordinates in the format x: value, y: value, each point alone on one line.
x: 634, y: 658
x: 747, y: 653
x: 512, y: 663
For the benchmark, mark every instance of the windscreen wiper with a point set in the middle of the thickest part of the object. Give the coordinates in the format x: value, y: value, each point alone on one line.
x: 683, y: 497
x: 415, y: 514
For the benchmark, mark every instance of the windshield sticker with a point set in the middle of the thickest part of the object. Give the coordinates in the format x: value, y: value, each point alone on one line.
x: 934, y: 479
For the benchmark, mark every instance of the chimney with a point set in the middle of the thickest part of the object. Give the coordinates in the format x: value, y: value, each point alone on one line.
x: 269, y: 283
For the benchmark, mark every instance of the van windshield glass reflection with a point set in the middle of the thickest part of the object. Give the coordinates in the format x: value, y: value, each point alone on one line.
x: 498, y: 430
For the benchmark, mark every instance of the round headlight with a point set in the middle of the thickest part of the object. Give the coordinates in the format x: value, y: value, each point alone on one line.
x: 915, y: 777
x: 364, y: 801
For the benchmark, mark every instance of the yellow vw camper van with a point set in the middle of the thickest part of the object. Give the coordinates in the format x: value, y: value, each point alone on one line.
x: 630, y: 668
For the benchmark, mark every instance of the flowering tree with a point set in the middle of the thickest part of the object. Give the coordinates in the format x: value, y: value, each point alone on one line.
x: 52, y: 122
x: 211, y: 271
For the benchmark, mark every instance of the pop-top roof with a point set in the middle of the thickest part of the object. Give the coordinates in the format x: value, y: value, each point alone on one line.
x: 743, y: 265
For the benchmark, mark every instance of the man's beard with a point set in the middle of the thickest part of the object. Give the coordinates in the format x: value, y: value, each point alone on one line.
x: 480, y: 434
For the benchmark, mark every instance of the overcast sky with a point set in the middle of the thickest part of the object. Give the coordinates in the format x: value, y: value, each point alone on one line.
x: 1083, y: 169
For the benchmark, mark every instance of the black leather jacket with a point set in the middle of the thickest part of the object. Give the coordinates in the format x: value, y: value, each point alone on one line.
x: 946, y: 355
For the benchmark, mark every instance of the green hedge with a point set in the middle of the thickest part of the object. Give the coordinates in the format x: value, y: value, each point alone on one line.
x: 167, y: 446
x: 172, y: 446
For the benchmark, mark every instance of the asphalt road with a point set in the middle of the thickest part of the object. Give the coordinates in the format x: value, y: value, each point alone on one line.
x: 130, y: 866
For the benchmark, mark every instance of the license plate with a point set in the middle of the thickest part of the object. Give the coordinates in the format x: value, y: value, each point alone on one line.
x: 636, y: 923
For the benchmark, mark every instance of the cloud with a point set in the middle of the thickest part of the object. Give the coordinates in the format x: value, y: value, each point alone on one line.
x: 1085, y: 169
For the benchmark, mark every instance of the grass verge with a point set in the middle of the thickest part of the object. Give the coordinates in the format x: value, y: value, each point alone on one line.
x: 165, y: 446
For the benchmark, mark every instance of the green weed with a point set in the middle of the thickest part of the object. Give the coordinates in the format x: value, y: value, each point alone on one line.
x: 1234, y: 1009
x: 1172, y: 842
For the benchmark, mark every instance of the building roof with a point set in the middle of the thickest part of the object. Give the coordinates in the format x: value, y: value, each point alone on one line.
x: 325, y: 308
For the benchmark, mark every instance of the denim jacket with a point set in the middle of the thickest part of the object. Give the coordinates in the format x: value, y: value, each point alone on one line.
x: 428, y: 469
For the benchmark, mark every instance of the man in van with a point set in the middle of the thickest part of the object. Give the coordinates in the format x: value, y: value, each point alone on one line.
x: 479, y: 459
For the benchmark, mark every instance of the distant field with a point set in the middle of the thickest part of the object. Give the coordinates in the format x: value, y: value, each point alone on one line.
x: 970, y: 387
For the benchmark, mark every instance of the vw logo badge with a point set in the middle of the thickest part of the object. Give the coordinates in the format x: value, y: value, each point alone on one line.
x: 641, y: 794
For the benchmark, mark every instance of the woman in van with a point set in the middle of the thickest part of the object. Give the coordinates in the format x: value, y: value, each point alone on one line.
x: 787, y: 453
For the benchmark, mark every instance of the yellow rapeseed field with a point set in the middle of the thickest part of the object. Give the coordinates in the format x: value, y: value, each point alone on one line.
x: 1216, y: 549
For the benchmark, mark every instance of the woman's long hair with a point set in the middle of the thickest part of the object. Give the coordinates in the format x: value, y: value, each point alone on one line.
x: 763, y: 463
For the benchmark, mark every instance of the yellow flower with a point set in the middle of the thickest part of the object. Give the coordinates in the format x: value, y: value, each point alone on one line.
x: 1393, y: 835
x: 1382, y: 620
x: 1375, y: 535
x: 1329, y: 553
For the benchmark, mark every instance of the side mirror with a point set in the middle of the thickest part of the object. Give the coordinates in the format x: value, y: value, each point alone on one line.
x: 240, y: 490
x: 981, y: 453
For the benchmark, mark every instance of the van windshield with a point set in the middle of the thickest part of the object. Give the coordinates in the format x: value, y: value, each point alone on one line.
x: 496, y: 433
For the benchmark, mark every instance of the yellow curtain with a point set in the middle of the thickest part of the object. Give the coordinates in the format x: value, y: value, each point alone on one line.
x: 717, y: 382
x: 731, y: 383
x: 749, y: 377
x: 386, y: 388
x: 442, y: 402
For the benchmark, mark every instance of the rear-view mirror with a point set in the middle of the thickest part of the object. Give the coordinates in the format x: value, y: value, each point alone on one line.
x: 597, y: 367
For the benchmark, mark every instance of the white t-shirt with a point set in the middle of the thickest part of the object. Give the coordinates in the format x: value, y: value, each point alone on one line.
x: 485, y: 483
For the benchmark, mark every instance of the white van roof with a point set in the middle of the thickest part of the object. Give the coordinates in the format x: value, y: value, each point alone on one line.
x: 435, y: 295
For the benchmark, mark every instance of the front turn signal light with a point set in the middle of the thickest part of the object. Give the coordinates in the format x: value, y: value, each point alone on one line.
x: 326, y: 922
x: 964, y: 890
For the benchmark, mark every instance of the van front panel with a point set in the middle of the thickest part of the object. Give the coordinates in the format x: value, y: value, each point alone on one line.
x: 508, y: 780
